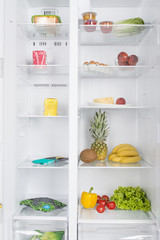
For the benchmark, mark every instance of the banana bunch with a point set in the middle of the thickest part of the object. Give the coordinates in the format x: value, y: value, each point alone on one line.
x: 124, y: 153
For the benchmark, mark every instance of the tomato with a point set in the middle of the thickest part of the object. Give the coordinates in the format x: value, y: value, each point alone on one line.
x: 111, y: 205
x: 103, y: 202
x: 106, y: 198
x: 98, y: 198
x: 100, y: 208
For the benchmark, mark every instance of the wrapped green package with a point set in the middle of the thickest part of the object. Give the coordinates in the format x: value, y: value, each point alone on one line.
x: 48, y: 235
x: 43, y: 204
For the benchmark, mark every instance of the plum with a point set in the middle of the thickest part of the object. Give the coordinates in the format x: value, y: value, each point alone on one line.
x: 123, y: 63
x: 132, y: 60
x: 121, y: 101
x: 123, y: 57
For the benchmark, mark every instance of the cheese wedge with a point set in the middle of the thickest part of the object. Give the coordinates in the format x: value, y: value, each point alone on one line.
x: 106, y: 100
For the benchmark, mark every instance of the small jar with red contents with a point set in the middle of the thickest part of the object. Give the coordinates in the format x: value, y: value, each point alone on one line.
x: 90, y: 25
x: 106, y: 26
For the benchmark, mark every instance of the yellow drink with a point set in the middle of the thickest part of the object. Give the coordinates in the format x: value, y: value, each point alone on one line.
x: 50, y: 107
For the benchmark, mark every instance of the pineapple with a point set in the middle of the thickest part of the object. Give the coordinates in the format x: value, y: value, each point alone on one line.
x: 99, y: 132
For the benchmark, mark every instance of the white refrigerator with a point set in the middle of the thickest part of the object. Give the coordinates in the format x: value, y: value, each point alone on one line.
x: 28, y: 134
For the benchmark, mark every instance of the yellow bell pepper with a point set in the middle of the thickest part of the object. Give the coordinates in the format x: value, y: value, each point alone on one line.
x: 89, y: 200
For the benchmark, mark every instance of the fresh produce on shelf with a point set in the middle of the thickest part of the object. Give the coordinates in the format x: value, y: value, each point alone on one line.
x: 58, y: 235
x: 124, y: 153
x: 97, y: 67
x: 132, y: 60
x: 100, y: 208
x: 89, y: 15
x: 125, y: 30
x: 122, y: 57
x: 39, y: 57
x: 102, y: 202
x: 111, y: 205
x: 46, y: 19
x: 89, y: 199
x: 50, y: 107
x: 88, y: 156
x: 92, y: 25
x: 99, y: 132
x: 125, y: 60
x: 121, y: 101
x: 43, y: 204
x: 98, y: 198
x: 106, y: 26
x: 118, y: 164
x: 130, y: 198
x: 106, y: 100
x: 106, y: 198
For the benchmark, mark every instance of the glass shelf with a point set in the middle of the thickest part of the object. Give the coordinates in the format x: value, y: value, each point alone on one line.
x: 24, y: 213
x: 29, y: 165
x: 50, y: 3
x: 110, y: 165
x: 121, y: 35
x: 58, y: 31
x: 41, y: 116
x: 111, y: 107
x: 115, y: 3
x: 44, y: 69
x: 115, y: 216
x: 113, y: 71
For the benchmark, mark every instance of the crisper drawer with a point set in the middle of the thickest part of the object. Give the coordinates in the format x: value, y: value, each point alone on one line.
x: 28, y: 230
x: 114, y: 232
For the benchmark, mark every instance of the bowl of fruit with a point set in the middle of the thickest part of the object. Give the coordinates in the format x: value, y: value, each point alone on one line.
x: 127, y: 62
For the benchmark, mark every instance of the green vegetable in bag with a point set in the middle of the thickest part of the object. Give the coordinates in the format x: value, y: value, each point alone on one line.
x: 48, y: 236
x: 43, y: 204
x: 121, y: 31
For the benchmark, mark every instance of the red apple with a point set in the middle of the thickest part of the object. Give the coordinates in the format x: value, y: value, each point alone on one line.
x: 122, y: 57
x: 121, y: 101
x: 132, y: 60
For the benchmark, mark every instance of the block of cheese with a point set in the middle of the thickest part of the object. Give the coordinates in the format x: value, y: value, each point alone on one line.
x: 106, y: 100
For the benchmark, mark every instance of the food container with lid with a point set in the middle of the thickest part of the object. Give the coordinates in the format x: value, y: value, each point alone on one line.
x: 106, y: 26
x: 46, y: 19
x: 89, y: 15
x: 50, y: 107
x: 91, y: 25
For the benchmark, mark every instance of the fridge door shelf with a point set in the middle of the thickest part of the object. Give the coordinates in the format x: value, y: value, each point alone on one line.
x: 114, y: 71
x: 56, y: 165
x: 44, y: 69
x: 115, y: 217
x: 110, y: 165
x: 27, y: 213
x: 115, y: 3
x: 58, y: 31
x: 126, y: 34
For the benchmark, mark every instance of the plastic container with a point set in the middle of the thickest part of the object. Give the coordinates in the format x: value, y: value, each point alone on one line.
x: 46, y: 19
x: 107, y: 26
x: 39, y: 57
x: 91, y: 25
x: 50, y: 107
x: 89, y: 15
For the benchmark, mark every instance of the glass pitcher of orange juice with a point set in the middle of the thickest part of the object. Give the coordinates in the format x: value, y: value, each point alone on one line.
x: 50, y: 107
